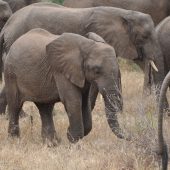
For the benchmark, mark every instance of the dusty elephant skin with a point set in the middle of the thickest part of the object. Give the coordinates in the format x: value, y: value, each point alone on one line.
x: 15, y: 5
x: 62, y: 69
x: 5, y: 13
x: 163, y: 151
x: 163, y: 34
x: 7, y: 7
x: 157, y: 9
x: 131, y: 33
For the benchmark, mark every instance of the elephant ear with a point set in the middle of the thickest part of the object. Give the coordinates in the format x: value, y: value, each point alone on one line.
x: 95, y: 37
x: 65, y: 57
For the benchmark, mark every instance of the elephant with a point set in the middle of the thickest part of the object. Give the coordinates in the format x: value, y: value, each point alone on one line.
x: 163, y: 34
x: 15, y: 5
x: 163, y: 61
x: 131, y: 33
x: 62, y: 69
x: 5, y: 13
x: 157, y: 9
x: 163, y: 151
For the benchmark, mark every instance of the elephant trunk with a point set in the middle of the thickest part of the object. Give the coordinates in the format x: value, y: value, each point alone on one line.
x: 113, y: 104
x: 162, y: 145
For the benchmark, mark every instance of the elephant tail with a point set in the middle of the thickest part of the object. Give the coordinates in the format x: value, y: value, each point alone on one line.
x: 1, y: 53
x: 163, y: 151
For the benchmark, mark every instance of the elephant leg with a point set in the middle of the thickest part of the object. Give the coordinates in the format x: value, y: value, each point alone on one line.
x: 76, y: 128
x: 93, y: 95
x: 14, y: 108
x: 48, y: 132
x: 71, y: 97
x: 86, y: 112
x: 3, y: 103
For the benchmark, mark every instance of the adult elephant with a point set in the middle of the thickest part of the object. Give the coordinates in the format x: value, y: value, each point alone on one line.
x: 15, y: 5
x: 163, y: 34
x: 5, y: 13
x: 163, y: 151
x: 66, y: 65
x: 131, y: 33
x: 157, y: 9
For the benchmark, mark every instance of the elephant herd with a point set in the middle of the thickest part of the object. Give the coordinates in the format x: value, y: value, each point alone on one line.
x: 51, y: 53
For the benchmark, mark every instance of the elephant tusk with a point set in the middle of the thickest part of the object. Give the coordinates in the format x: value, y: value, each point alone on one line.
x: 153, y: 66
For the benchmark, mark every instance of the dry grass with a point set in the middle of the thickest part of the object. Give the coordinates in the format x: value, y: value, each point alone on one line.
x: 100, y: 150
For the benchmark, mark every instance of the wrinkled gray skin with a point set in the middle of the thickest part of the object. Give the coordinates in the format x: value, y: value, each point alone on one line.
x: 163, y: 61
x: 5, y: 13
x: 15, y: 5
x: 163, y: 34
x: 163, y: 151
x: 158, y: 9
x: 62, y: 70
x: 131, y: 33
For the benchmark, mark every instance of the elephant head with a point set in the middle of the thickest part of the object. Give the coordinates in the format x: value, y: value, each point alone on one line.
x: 85, y: 60
x: 144, y: 43
x: 163, y: 151
x: 142, y: 37
x: 5, y: 13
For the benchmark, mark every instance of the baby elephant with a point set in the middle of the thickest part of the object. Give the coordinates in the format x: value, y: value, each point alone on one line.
x: 45, y: 68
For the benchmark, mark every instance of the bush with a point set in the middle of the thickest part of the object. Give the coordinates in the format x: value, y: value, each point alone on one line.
x: 57, y: 1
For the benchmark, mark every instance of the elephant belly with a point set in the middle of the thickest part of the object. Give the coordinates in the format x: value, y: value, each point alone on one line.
x: 38, y: 91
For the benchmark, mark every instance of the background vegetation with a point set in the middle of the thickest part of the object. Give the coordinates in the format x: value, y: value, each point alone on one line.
x: 100, y: 150
x: 57, y: 1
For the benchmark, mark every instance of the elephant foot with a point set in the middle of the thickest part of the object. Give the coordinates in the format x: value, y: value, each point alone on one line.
x: 51, y: 140
x: 74, y: 137
x: 50, y: 143
x: 13, y: 130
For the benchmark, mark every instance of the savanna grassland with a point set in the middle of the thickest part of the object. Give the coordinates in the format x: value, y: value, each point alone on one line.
x: 100, y: 150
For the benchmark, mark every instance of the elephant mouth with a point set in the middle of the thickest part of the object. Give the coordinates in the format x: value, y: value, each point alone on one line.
x: 142, y: 56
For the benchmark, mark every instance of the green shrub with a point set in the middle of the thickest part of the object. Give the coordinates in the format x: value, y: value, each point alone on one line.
x: 57, y: 1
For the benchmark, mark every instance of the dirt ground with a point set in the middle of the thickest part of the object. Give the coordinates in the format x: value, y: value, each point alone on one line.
x: 100, y: 150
